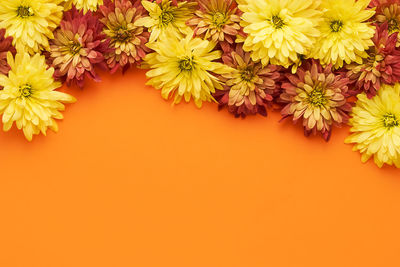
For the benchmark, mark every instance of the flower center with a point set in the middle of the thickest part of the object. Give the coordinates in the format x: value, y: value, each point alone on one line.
x: 24, y: 11
x: 25, y: 90
x: 186, y: 64
x: 317, y: 97
x: 390, y: 120
x: 373, y: 57
x: 247, y: 74
x: 74, y: 47
x: 219, y: 19
x: 393, y: 25
x: 166, y: 17
x: 277, y: 22
x: 122, y: 35
x: 336, y: 25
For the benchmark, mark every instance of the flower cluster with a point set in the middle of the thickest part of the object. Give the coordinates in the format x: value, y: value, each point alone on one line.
x: 322, y: 63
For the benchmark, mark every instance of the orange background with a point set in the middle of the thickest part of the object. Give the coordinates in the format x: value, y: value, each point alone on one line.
x: 131, y: 181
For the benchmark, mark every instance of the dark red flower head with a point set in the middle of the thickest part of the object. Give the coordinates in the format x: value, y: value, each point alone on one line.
x: 316, y: 96
x: 387, y: 11
x: 78, y: 47
x: 5, y: 46
x: 127, y: 41
x: 381, y: 66
x: 250, y: 87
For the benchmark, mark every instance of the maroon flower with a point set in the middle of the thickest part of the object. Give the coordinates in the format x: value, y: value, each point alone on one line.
x: 250, y: 87
x: 5, y: 46
x: 78, y: 47
x: 381, y: 66
x: 387, y: 11
x: 317, y: 97
x: 127, y: 41
x: 217, y: 20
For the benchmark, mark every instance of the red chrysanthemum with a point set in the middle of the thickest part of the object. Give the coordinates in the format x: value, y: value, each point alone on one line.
x: 250, y: 87
x: 387, y: 11
x: 217, y: 20
x: 381, y: 66
x: 5, y: 46
x: 317, y: 97
x: 78, y: 47
x: 127, y: 41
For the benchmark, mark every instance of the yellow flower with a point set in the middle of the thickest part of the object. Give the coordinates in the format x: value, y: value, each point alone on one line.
x: 278, y: 31
x: 166, y: 18
x: 184, y: 67
x: 376, y: 126
x: 84, y: 5
x: 28, y: 96
x: 344, y: 33
x: 30, y: 22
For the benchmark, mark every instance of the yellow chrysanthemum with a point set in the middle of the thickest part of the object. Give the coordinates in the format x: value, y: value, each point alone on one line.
x: 28, y: 96
x: 279, y: 31
x: 84, y: 5
x: 376, y: 126
x: 166, y: 18
x: 30, y: 22
x: 184, y: 67
x: 344, y: 33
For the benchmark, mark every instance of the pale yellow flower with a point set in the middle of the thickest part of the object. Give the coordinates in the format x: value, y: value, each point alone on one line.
x: 376, y: 126
x: 279, y: 31
x: 28, y: 97
x: 185, y: 68
x: 166, y: 18
x: 30, y: 22
x: 345, y: 32
x: 85, y: 5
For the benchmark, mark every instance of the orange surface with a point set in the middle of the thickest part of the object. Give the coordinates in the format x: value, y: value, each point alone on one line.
x: 131, y: 181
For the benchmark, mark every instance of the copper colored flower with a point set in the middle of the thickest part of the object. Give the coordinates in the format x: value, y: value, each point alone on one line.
x: 216, y: 20
x: 317, y: 97
x: 127, y: 41
x: 381, y: 66
x: 387, y: 11
x: 250, y: 87
x: 5, y: 46
x: 78, y: 47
